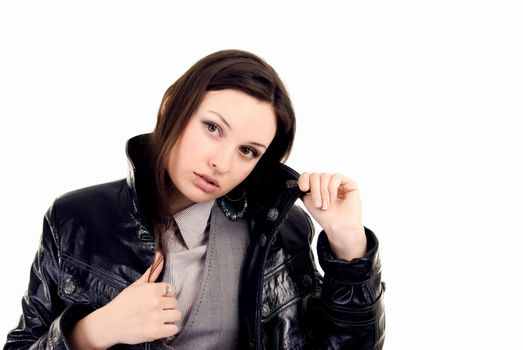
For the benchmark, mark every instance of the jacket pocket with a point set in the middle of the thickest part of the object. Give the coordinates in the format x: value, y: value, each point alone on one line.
x: 80, y: 283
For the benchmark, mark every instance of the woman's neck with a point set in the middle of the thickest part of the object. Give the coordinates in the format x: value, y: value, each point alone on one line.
x: 177, y: 201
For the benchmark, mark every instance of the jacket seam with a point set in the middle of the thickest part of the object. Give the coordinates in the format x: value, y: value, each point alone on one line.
x: 285, y: 263
x: 284, y: 306
x: 51, y: 220
x: 329, y: 276
x: 340, y: 322
x: 309, y: 222
x: 259, y: 297
x: 350, y: 310
x: 109, y: 278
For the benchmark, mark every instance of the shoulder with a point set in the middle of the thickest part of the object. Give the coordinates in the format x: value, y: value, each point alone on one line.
x: 90, y: 203
x: 97, y: 195
x: 92, y: 219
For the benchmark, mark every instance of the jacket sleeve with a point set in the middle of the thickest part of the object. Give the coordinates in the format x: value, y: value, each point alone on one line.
x: 45, y: 318
x: 350, y: 304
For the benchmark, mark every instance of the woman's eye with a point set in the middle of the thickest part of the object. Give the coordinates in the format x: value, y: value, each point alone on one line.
x: 211, y: 127
x: 249, y: 152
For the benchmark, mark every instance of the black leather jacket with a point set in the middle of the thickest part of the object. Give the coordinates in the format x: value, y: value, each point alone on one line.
x: 95, y: 243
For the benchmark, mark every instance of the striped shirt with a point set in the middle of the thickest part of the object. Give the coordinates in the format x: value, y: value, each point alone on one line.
x: 185, y: 248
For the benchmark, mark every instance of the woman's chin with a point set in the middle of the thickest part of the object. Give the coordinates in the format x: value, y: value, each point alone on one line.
x: 198, y: 196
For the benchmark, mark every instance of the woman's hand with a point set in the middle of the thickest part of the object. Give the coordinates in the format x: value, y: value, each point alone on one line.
x: 334, y: 202
x: 142, y: 312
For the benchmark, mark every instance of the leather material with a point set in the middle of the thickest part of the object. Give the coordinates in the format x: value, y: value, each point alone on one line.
x: 95, y: 243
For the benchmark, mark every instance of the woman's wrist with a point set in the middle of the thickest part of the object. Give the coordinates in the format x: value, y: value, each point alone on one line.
x: 348, y: 244
x: 91, y: 332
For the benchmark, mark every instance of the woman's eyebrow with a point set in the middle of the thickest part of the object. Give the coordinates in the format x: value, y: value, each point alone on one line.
x: 258, y: 144
x: 222, y: 118
x: 230, y: 128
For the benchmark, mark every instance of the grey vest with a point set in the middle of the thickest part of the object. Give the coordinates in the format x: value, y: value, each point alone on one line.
x: 213, y: 322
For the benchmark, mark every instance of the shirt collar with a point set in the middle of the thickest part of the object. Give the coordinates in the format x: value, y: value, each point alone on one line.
x: 192, y: 222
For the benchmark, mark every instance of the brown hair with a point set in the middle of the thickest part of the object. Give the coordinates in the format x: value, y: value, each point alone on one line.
x: 227, y: 69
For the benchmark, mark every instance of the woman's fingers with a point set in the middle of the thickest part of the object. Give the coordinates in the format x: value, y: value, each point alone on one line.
x: 171, y: 316
x: 310, y: 182
x: 348, y: 184
x: 156, y: 267
x: 167, y: 289
x: 324, y: 188
x: 314, y: 184
x: 333, y: 186
x: 169, y: 303
x: 303, y: 182
x: 168, y: 330
x: 152, y: 273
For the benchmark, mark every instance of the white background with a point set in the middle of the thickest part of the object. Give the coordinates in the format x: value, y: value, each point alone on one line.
x: 418, y: 101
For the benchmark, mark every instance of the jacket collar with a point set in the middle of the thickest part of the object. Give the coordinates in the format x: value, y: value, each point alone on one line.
x: 136, y: 152
x: 280, y: 190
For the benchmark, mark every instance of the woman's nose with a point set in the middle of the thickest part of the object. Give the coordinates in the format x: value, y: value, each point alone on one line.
x: 221, y: 160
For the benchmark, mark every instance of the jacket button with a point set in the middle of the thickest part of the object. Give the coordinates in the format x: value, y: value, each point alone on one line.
x: 69, y: 287
x: 272, y: 215
x: 290, y: 184
x: 306, y: 280
x: 265, y: 310
x: 263, y: 240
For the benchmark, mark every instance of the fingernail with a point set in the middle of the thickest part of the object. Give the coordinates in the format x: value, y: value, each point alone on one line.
x: 325, y: 205
x: 317, y: 204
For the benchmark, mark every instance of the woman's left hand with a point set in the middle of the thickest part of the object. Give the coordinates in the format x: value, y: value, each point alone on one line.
x: 334, y: 202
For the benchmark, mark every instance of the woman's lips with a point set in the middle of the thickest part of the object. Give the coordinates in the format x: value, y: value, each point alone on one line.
x: 206, y: 183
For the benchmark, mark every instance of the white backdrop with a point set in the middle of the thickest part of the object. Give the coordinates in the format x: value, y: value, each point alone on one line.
x: 418, y: 101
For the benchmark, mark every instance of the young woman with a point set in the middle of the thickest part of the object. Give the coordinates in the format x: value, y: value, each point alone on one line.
x: 202, y: 247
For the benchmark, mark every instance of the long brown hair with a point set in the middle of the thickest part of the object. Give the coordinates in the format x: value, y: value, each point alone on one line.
x: 226, y: 69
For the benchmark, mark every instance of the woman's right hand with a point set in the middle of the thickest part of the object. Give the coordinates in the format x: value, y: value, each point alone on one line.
x: 142, y: 312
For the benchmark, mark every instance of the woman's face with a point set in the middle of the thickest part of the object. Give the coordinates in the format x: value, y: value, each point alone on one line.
x: 219, y: 147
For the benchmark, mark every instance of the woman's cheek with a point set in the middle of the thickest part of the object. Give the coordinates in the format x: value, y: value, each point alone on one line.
x: 247, y: 172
